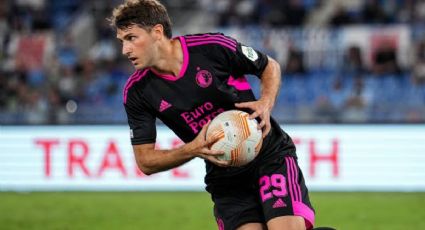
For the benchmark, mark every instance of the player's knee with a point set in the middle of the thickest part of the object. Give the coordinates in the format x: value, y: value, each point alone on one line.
x: 286, y: 223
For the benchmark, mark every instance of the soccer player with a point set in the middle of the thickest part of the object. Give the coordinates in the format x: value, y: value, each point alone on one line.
x: 186, y: 81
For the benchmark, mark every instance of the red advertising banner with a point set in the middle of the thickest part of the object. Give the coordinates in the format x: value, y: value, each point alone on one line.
x: 333, y: 158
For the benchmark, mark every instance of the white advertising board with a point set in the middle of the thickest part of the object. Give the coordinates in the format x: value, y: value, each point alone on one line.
x: 332, y: 157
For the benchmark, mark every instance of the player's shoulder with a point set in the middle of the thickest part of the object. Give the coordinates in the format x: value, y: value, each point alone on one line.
x: 210, y: 34
x: 206, y: 41
x: 135, y: 79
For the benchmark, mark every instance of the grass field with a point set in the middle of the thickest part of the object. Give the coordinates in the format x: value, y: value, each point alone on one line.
x: 192, y: 210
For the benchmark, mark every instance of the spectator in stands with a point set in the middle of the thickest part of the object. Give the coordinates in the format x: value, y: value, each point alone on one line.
x: 331, y: 105
x: 295, y: 13
x: 96, y: 86
x: 40, y: 19
x: 67, y: 52
x: 324, y: 111
x: 295, y: 62
x: 229, y: 15
x: 385, y: 59
x: 352, y: 64
x: 340, y: 17
x: 104, y: 48
x: 356, y: 104
x: 3, y: 90
x: 68, y: 82
x: 4, y: 29
x: 56, y: 110
x: 419, y: 12
x: 373, y: 12
x: 405, y: 12
x: 268, y: 46
x: 270, y: 12
x: 36, y: 107
x: 418, y: 75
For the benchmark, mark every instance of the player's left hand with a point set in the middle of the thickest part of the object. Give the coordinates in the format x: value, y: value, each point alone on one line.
x: 262, y: 109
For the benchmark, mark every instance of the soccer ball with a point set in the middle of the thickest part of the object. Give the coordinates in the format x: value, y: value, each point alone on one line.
x: 238, y: 137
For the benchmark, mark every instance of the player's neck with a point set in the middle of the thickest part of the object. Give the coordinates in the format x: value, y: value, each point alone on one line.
x: 170, y: 59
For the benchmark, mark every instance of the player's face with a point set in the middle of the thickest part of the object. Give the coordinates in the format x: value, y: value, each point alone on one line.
x: 137, y: 45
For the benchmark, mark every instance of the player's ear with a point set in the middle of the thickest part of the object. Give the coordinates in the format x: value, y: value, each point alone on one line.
x: 157, y: 31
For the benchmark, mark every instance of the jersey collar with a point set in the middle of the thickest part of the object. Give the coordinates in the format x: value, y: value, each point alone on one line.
x: 184, y: 65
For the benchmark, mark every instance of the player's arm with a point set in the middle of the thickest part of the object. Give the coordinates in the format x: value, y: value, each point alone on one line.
x: 270, y: 85
x: 246, y: 60
x: 142, y: 122
x: 151, y: 160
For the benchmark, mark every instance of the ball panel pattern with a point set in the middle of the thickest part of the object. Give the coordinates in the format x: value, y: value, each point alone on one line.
x: 238, y: 137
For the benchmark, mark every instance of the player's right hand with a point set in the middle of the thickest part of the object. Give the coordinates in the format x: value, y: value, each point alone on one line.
x: 202, y: 146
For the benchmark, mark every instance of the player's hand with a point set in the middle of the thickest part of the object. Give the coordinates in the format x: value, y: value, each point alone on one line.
x: 202, y: 146
x: 262, y: 109
x: 213, y: 159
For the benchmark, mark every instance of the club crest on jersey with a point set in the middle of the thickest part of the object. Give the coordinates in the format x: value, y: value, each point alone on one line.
x: 204, y: 78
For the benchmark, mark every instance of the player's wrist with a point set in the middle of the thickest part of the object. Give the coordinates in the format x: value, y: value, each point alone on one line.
x: 190, y: 149
x: 267, y: 101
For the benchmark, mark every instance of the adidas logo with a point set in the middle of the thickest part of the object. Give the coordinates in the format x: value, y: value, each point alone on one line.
x: 279, y: 204
x: 164, y: 105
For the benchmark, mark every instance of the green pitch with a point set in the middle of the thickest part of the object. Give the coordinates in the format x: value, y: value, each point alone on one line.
x: 186, y: 210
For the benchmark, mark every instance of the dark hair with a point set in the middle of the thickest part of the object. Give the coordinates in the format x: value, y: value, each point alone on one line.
x: 144, y: 13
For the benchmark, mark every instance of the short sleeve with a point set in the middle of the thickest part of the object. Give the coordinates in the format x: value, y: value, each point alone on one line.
x: 141, y: 121
x: 246, y: 60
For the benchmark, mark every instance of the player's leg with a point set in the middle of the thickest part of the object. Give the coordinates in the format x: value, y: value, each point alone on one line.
x: 236, y: 204
x: 252, y: 226
x: 283, y: 195
x: 237, y: 212
x: 287, y: 223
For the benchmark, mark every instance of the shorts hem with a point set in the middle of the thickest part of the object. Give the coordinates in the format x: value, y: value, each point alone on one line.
x: 247, y: 221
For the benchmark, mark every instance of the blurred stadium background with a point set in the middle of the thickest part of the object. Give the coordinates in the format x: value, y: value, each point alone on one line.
x: 353, y: 98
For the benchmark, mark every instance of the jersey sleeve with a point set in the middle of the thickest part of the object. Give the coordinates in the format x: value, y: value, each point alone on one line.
x: 246, y: 60
x: 141, y: 121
